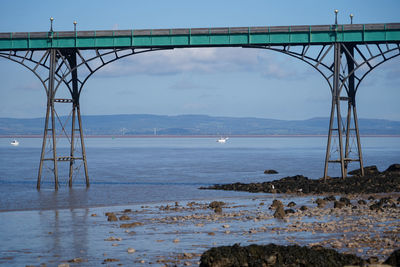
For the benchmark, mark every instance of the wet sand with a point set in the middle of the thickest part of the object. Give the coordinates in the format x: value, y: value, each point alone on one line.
x: 168, y: 234
x: 178, y: 233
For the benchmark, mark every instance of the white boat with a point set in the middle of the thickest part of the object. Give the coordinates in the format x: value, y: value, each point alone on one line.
x: 222, y: 140
x: 14, y: 143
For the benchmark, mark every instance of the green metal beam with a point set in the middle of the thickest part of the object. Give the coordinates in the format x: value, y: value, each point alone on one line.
x: 203, y: 37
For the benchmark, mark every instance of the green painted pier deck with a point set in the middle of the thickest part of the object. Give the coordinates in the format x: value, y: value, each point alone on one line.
x: 202, y: 37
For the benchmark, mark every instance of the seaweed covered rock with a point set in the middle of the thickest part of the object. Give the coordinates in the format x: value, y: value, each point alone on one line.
x: 388, y: 181
x: 367, y: 171
x: 393, y: 169
x: 394, y: 258
x: 270, y: 172
x: 275, y: 255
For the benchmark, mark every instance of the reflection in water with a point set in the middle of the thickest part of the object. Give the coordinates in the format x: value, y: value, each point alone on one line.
x: 64, y: 234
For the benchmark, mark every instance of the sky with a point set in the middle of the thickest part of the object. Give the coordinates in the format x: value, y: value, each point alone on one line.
x: 235, y: 82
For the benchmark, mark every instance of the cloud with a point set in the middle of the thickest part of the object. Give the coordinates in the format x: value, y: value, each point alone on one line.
x: 201, y: 60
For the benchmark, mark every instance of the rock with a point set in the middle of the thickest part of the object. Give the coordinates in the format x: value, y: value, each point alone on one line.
x: 371, y: 198
x: 330, y: 198
x: 127, y: 210
x: 131, y: 250
x: 338, y: 204
x: 271, y: 260
x: 130, y: 225
x: 394, y: 258
x: 274, y: 255
x: 112, y: 217
x: 276, y: 203
x: 394, y: 168
x: 63, y: 265
x: 111, y: 238
x: 376, y: 207
x: 110, y: 260
x: 176, y: 240
x: 320, y: 202
x: 369, y: 170
x: 218, y: 210
x: 226, y: 226
x: 279, y: 212
x: 373, y: 260
x: 291, y: 204
x: 303, y: 208
x: 362, y: 202
x: 270, y: 172
x: 124, y: 218
x: 289, y: 211
x: 368, y: 184
x: 345, y: 200
x: 216, y: 206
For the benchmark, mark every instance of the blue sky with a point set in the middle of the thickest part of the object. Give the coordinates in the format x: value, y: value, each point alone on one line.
x: 219, y: 82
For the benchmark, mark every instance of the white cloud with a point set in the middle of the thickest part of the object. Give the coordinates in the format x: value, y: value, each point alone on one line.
x: 201, y: 60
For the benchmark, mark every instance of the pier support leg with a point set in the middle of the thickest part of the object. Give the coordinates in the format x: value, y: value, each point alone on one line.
x: 50, y: 114
x: 343, y: 158
x: 70, y: 56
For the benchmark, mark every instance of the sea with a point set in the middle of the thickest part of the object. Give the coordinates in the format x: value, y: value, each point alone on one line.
x: 126, y: 172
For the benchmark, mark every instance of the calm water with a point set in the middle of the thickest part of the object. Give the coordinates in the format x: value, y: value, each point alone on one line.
x: 47, y: 227
x: 142, y: 170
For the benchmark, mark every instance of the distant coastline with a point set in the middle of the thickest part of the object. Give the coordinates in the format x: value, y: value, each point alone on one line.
x: 145, y: 125
x: 200, y: 136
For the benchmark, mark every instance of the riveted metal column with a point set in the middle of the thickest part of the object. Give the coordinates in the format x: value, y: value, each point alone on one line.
x: 46, y: 126
x: 352, y: 109
x: 335, y: 106
x: 358, y: 138
x: 78, y: 110
x: 53, y: 123
x: 336, y: 89
x: 75, y: 102
x: 76, y: 114
x: 50, y: 113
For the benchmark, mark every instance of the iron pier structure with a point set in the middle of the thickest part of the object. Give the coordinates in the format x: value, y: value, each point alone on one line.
x: 343, y: 54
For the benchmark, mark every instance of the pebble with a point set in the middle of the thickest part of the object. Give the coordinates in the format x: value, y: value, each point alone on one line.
x: 131, y: 250
x: 176, y: 240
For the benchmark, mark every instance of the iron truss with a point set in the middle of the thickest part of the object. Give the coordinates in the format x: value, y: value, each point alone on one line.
x: 55, y: 68
x: 347, y: 68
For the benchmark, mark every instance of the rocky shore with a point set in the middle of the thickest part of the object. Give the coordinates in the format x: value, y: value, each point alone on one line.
x: 273, y: 255
x: 335, y: 230
x: 373, y: 181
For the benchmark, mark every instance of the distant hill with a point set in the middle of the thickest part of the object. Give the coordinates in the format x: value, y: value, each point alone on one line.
x: 195, y: 125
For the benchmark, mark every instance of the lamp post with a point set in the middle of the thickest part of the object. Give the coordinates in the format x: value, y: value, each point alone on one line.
x: 51, y: 24
x: 336, y: 11
x: 75, y: 25
x: 351, y: 18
